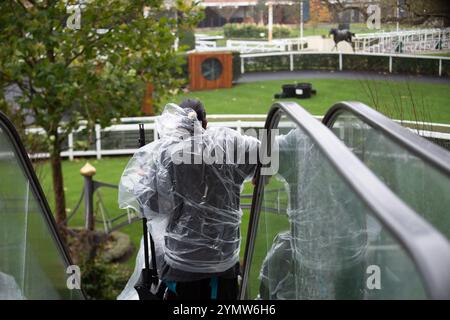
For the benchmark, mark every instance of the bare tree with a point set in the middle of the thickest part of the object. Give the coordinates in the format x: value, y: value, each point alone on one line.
x: 413, y: 12
x: 339, y: 6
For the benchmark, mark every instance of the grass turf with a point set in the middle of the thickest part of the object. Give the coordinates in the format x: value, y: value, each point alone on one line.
x: 309, y: 30
x: 417, y: 100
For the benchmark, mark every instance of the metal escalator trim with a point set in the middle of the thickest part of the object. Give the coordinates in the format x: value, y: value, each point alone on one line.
x: 428, y: 249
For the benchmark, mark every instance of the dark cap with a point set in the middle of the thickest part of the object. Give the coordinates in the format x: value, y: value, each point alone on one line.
x: 195, y: 105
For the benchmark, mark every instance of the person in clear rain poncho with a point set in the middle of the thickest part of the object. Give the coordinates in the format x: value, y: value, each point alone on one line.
x: 188, y: 184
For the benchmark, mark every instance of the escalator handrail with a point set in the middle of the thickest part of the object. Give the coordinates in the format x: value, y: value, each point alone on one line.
x: 436, y: 156
x: 30, y: 174
x: 428, y: 249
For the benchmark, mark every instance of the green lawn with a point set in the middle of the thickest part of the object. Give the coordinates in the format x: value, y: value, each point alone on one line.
x: 312, y: 30
x: 418, y: 101
x: 445, y: 54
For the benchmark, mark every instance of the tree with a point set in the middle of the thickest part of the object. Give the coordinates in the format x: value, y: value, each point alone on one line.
x: 419, y: 12
x: 413, y: 12
x: 337, y: 6
x: 92, y: 71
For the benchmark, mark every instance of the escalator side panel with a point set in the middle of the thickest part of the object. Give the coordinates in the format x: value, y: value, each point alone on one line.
x: 412, y: 167
x: 33, y: 260
x: 324, y: 227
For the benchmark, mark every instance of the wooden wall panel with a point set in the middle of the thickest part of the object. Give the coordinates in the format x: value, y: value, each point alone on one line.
x: 196, y: 79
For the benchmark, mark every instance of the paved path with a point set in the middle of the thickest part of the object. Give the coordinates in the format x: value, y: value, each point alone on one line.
x: 350, y: 75
x: 319, y: 43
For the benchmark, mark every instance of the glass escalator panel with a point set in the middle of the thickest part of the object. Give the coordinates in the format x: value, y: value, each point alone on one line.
x: 316, y: 238
x: 32, y: 263
x: 414, y: 179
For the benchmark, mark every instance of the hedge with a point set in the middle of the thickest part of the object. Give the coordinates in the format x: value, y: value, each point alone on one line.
x: 316, y: 62
x: 236, y: 65
x: 249, y: 31
x: 415, y: 66
x: 365, y: 63
x: 373, y: 63
x: 273, y: 63
x: 446, y: 68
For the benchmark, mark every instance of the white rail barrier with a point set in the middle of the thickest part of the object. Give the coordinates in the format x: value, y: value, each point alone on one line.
x: 203, y: 45
x: 121, y: 139
x: 340, y: 55
x: 254, y: 46
x: 249, y: 46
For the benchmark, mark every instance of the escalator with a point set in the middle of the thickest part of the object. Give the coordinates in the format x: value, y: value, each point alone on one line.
x: 33, y: 259
x: 415, y: 169
x: 328, y: 223
x: 343, y: 234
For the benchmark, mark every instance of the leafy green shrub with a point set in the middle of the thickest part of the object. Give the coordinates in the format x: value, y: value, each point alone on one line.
x: 316, y: 62
x: 272, y: 63
x: 102, y: 280
x: 236, y: 65
x: 187, y: 40
x: 250, y: 30
x: 350, y: 62
x: 415, y: 66
x: 446, y: 68
x: 365, y: 63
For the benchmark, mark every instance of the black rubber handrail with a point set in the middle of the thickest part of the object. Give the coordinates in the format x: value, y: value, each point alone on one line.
x: 25, y: 163
x: 428, y: 151
x: 427, y: 248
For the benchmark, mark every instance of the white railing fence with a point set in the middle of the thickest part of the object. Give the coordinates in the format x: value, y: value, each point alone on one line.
x: 122, y: 139
x: 251, y: 46
x: 204, y: 45
x: 245, y: 58
x: 404, y: 41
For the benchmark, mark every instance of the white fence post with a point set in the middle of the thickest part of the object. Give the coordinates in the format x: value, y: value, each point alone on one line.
x: 440, y: 67
x: 98, y: 141
x: 340, y: 61
x: 70, y: 143
x: 291, y: 61
x: 242, y: 65
x: 128, y: 128
x: 390, y: 64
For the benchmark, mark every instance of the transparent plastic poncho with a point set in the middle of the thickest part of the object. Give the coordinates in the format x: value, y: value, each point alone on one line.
x: 187, y: 184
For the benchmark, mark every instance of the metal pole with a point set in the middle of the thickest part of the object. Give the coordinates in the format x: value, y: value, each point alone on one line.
x: 177, y: 40
x: 88, y: 171
x: 98, y: 141
x: 301, y: 24
x: 270, y: 24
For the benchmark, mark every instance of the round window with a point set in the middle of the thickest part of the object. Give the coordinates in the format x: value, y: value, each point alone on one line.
x: 211, y: 69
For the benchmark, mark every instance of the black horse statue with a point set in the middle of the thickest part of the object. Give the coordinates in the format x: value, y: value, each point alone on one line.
x: 342, y: 35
